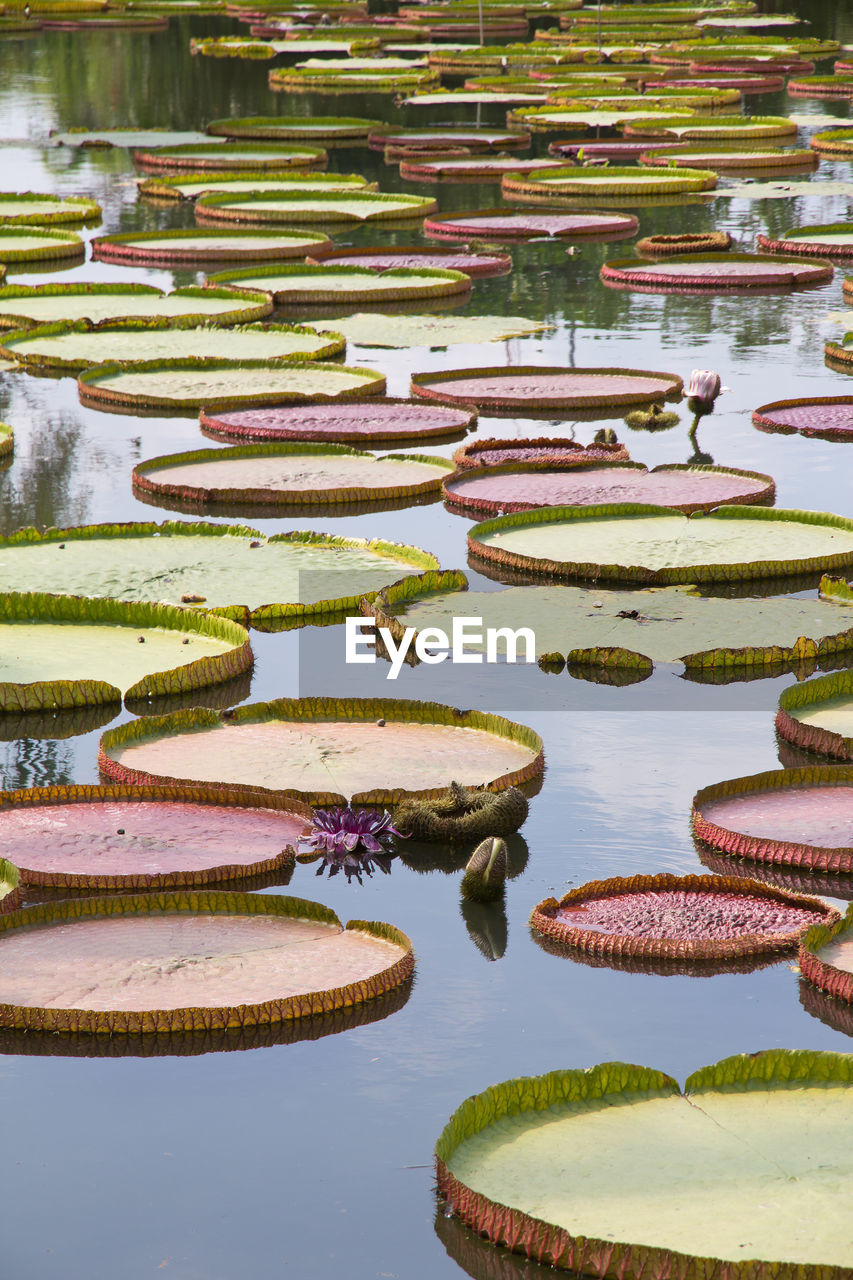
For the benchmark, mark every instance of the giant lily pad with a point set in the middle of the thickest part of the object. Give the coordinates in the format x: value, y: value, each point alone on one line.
x: 836, y: 86
x: 417, y: 256
x: 63, y: 348
x: 823, y: 417
x: 189, y: 383
x: 18, y: 207
x: 142, y: 138
x: 818, y: 715
x: 551, y: 450
x: 798, y: 818
x: 375, y: 330
x: 688, y: 242
x: 219, y: 566
x: 826, y: 958
x: 493, y: 490
x: 358, y: 82
x: 292, y: 475
x: 21, y: 305
x: 553, y: 185
x: 472, y: 139
x: 299, y: 286
x: 614, y: 1168
x: 545, y: 387
x: 202, y: 246
x: 702, y: 127
x: 500, y: 224
x: 628, y: 630
x: 90, y: 837
x: 715, y: 271
x: 829, y: 240
x: 38, y: 244
x: 833, y: 141
x: 180, y: 961
x: 286, y: 128
x: 211, y: 155
x: 463, y: 169
x: 370, y: 750
x: 64, y: 651
x: 678, y: 918
x: 307, y: 207
x: 172, y: 186
x: 726, y: 158
x: 376, y: 421
x: 658, y: 546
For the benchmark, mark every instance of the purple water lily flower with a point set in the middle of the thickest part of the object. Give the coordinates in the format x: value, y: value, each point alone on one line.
x: 704, y: 386
x: 342, y: 830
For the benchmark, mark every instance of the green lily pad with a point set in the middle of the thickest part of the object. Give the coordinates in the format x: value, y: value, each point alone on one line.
x: 824, y: 240
x: 802, y: 190
x: 22, y: 305
x: 657, y: 546
x: 662, y: 624
x: 285, y: 128
x: 725, y: 158
x: 834, y: 141
x: 185, y: 961
x: 548, y: 119
x: 201, y: 246
x: 173, y: 186
x: 306, y: 207
x: 312, y: 81
x: 126, y: 838
x: 143, y: 138
x: 836, y: 86
x: 189, y: 384
x: 63, y: 348
x: 38, y: 244
x: 296, y: 475
x: 817, y: 715
x: 552, y: 185
x: 218, y: 566
x: 734, y: 127
x: 239, y: 156
x: 471, y: 97
x: 64, y: 651
x: 368, y: 329
x: 448, y: 135
x: 615, y: 1167
x: 17, y: 207
x: 308, y: 746
x: 303, y: 285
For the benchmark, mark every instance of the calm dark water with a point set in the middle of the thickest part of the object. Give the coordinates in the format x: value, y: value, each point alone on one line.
x: 312, y: 1159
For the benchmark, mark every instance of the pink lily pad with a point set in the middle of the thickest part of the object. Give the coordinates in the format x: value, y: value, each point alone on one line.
x: 556, y: 452
x: 379, y: 421
x: 617, y: 150
x: 463, y: 168
x: 716, y: 271
x: 666, y: 917
x: 140, y: 838
x: 824, y: 418
x: 495, y: 490
x: 799, y: 818
x: 474, y: 139
x: 496, y: 224
x: 473, y: 264
x: 545, y: 387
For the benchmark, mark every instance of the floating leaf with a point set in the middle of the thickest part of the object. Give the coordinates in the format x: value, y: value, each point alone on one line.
x: 688, y: 242
x: 127, y: 138
x: 62, y: 651
x: 818, y: 715
x: 796, y: 818
x: 373, y: 421
x: 190, y: 383
x: 825, y: 240
x: 171, y: 186
x: 228, y: 565
x: 366, y: 750
x: 206, y: 245
x: 500, y: 224
x: 472, y: 139
x: 823, y: 417
x: 61, y: 348
x: 375, y: 330
x: 210, y: 155
x: 716, y: 271
x: 181, y: 961
x: 826, y: 958
x: 303, y: 285
x: 545, y: 387
x: 93, y: 837
x: 37, y: 244
x: 561, y: 183
x: 655, y: 1179
x: 19, y: 207
x: 485, y: 452
x: 307, y: 207
x: 22, y: 305
x: 417, y: 257
x: 284, y: 128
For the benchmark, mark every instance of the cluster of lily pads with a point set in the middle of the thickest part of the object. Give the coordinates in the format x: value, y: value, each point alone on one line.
x: 205, y: 800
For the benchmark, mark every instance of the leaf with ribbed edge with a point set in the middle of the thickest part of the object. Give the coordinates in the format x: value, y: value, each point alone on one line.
x: 322, y: 127
x: 658, y: 546
x: 307, y: 207
x: 253, y: 157
x: 37, y: 244
x: 23, y: 305
x: 129, y: 838
x: 737, y: 1177
x: 18, y: 207
x: 54, y: 644
x: 826, y: 958
x: 189, y: 960
x: 818, y: 715
x: 379, y: 749
x: 226, y: 565
x: 377, y: 330
x: 189, y: 186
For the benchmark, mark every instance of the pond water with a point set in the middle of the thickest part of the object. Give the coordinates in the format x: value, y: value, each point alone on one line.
x: 215, y: 1160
